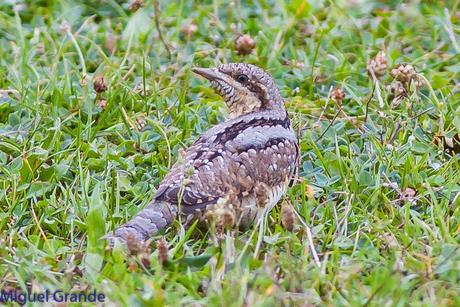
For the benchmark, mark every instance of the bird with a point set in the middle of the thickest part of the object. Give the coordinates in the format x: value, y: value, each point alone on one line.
x: 238, y: 169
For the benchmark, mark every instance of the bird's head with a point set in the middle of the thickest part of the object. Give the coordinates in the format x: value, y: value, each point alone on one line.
x: 245, y: 88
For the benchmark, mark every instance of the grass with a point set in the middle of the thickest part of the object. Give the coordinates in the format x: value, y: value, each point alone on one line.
x: 384, y: 213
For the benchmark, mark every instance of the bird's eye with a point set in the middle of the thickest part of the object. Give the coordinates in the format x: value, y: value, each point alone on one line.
x: 242, y: 78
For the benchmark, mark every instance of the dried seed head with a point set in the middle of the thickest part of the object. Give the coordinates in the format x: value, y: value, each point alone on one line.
x: 337, y: 95
x: 141, y: 122
x: 132, y: 267
x: 145, y: 260
x: 244, y: 44
x: 294, y: 63
x: 377, y: 66
x: 84, y: 80
x: 135, y: 5
x: 99, y: 84
x: 189, y: 29
x: 162, y: 247
x: 397, y: 89
x: 409, y: 193
x: 111, y: 42
x: 40, y: 48
x: 64, y: 27
x: 288, y: 216
x: 223, y: 215
x: 404, y: 73
x: 397, y: 92
x: 102, y: 103
x: 182, y: 153
x: 135, y: 246
x: 227, y: 219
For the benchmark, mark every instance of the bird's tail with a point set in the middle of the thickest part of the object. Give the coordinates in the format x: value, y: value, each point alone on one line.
x: 156, y: 216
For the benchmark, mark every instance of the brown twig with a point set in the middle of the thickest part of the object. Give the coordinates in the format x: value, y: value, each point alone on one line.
x: 156, y: 13
x: 368, y: 101
x: 329, y: 126
x: 394, y: 133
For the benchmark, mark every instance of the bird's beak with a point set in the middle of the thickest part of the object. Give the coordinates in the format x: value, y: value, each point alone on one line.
x: 211, y: 74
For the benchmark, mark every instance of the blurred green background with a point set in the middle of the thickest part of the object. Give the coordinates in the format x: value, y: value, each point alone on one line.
x: 379, y: 179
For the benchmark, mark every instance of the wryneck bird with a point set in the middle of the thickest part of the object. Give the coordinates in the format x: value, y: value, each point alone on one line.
x: 241, y: 167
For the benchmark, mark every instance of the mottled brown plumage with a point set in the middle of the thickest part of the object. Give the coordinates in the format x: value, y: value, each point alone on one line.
x: 243, y: 165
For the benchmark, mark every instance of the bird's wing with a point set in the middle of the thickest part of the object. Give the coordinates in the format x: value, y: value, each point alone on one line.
x: 231, y: 161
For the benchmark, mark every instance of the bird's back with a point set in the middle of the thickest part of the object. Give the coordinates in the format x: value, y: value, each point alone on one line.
x: 253, y: 155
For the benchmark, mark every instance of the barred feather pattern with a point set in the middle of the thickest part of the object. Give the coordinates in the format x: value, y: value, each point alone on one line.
x: 246, y: 162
